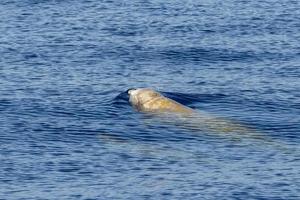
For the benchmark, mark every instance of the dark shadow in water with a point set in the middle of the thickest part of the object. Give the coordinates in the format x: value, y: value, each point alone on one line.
x: 189, y: 99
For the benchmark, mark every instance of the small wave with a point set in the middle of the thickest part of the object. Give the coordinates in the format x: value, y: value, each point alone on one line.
x: 183, y: 98
x: 188, y: 98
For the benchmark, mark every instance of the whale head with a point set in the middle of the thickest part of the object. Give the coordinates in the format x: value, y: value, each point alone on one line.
x: 139, y: 97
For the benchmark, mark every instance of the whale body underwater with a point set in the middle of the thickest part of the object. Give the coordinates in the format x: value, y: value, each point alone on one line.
x: 150, y: 101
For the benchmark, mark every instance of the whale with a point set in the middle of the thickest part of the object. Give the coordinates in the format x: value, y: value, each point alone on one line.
x: 147, y: 100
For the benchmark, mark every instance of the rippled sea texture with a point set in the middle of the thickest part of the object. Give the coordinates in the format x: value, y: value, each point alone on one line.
x: 67, y: 130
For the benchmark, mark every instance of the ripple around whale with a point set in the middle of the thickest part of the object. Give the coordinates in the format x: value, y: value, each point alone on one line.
x: 202, y: 123
x: 183, y: 98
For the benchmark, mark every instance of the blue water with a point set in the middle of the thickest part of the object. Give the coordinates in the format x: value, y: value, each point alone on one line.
x: 67, y: 130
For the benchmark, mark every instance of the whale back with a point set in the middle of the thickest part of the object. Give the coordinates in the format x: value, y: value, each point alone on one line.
x: 164, y: 104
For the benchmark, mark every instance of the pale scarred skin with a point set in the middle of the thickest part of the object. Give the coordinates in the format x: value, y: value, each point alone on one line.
x: 148, y: 100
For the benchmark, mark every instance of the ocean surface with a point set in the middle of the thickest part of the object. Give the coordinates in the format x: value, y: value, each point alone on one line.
x: 67, y: 130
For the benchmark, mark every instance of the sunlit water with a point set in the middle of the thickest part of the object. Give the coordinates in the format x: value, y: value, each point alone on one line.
x: 67, y: 130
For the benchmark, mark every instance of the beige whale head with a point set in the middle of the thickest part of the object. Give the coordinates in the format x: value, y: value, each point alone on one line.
x: 141, y: 96
x: 145, y: 99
